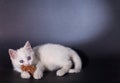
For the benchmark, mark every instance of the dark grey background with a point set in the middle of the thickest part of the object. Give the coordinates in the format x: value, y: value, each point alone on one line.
x: 92, y: 26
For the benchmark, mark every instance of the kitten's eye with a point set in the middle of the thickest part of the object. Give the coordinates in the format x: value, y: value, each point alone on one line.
x: 28, y: 58
x: 21, y: 61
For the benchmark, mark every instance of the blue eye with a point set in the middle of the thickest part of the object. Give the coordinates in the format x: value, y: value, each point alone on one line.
x: 28, y: 58
x: 21, y: 61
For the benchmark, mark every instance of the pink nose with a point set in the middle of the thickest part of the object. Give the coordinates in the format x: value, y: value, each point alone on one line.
x: 26, y: 64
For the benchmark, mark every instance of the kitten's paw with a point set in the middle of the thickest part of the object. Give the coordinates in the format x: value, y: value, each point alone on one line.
x: 25, y: 75
x: 74, y: 71
x: 60, y: 73
x: 38, y: 75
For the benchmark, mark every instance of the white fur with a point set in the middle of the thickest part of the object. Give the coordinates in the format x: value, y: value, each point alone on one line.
x: 47, y: 57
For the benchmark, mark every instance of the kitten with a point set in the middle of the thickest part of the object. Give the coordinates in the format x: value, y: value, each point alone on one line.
x: 46, y: 57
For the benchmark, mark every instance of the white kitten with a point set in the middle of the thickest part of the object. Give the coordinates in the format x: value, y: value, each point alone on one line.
x: 46, y: 57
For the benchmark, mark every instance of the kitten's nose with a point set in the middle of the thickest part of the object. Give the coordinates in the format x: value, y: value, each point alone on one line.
x: 26, y: 64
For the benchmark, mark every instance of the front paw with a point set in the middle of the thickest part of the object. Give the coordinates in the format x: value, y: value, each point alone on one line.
x: 38, y: 75
x: 25, y: 75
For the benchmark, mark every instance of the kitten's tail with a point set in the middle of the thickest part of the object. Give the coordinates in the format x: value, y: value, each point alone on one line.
x: 76, y: 61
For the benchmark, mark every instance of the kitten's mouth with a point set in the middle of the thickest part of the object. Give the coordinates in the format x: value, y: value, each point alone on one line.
x: 27, y: 64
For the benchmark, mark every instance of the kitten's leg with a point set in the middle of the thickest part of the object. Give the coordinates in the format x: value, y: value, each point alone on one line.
x: 65, y: 68
x: 38, y: 74
x: 25, y: 75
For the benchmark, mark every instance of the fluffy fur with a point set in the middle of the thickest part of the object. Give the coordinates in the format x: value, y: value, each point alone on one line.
x: 45, y: 57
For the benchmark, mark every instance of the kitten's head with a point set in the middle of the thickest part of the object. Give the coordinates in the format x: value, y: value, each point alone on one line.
x: 22, y: 56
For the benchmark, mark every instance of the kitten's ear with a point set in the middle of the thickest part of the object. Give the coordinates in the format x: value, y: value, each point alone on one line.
x: 12, y: 53
x: 28, y: 46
